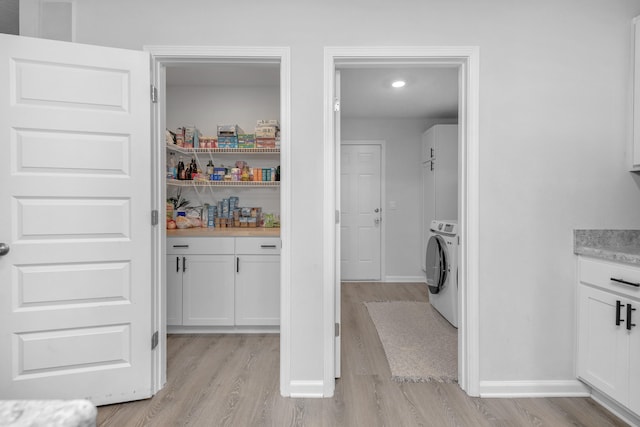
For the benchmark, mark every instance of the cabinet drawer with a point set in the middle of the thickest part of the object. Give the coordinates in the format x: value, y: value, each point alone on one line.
x: 258, y: 245
x: 200, y: 245
x: 610, y: 276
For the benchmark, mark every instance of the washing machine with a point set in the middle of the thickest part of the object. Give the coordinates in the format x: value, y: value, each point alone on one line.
x: 441, y: 256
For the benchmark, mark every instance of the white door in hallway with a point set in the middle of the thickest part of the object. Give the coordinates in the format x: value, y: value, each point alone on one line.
x: 75, y: 191
x: 360, y: 208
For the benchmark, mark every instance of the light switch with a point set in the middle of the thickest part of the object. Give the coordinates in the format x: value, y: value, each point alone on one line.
x: 392, y: 204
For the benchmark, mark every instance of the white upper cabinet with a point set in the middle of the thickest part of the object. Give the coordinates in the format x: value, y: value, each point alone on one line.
x: 634, y: 152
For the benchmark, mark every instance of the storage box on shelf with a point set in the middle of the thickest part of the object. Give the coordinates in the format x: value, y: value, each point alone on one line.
x: 608, y: 346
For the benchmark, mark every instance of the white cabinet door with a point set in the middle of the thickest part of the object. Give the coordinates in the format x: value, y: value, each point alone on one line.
x: 428, y: 139
x: 174, y: 290
x: 75, y: 191
x: 207, y: 290
x: 634, y: 152
x: 603, y: 346
x: 634, y: 360
x: 258, y: 290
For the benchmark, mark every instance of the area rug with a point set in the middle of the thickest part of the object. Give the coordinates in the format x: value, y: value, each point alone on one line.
x: 419, y: 343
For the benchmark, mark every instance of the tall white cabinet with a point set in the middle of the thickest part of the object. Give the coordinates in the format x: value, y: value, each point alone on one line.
x: 439, y: 177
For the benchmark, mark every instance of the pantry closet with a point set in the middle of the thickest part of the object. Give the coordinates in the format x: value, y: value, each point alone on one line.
x: 220, y: 279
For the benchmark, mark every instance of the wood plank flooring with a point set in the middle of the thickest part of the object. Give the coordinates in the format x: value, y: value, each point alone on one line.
x: 233, y: 380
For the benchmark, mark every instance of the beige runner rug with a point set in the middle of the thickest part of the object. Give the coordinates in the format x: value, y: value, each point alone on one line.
x: 419, y: 343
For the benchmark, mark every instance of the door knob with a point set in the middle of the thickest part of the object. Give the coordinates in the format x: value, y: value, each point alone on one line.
x: 376, y: 210
x: 4, y: 249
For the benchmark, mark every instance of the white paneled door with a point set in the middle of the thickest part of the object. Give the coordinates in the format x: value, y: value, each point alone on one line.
x: 360, y: 209
x: 75, y: 284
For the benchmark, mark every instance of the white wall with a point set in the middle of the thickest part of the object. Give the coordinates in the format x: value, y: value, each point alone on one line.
x: 403, y: 184
x: 555, y: 86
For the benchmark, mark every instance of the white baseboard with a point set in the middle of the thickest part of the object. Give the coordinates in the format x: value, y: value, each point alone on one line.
x: 617, y: 409
x: 568, y: 388
x: 404, y: 279
x: 305, y: 389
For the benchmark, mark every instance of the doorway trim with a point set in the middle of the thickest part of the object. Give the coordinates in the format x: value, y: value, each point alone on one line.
x: 161, y: 56
x: 383, y: 194
x: 467, y: 59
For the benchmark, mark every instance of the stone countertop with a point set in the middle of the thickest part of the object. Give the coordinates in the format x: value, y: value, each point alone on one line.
x: 611, y: 245
x: 47, y: 413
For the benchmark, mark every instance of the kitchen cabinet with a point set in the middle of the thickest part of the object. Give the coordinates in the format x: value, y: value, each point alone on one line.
x: 439, y: 177
x: 223, y: 281
x: 608, y: 347
x: 634, y: 152
x: 200, y: 275
x: 257, y: 281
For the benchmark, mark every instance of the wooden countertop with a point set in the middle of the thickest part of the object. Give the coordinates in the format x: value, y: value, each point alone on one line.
x: 225, y: 232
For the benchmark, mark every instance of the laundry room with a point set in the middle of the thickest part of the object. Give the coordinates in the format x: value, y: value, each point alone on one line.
x: 398, y: 181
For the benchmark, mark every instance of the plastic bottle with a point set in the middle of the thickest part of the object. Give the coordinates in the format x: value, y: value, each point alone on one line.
x: 171, y: 166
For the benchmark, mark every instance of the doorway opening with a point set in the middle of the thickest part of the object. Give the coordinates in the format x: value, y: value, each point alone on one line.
x: 465, y: 59
x: 228, y: 64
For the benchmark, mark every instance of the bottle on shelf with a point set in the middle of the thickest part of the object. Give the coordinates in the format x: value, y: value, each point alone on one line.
x: 171, y: 166
x: 180, y: 169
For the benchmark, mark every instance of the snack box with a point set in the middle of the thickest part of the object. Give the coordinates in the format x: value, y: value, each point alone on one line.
x: 228, y: 142
x: 208, y: 142
x: 267, y: 132
x: 265, y: 143
x: 247, y: 140
x: 269, y: 122
x: 229, y: 130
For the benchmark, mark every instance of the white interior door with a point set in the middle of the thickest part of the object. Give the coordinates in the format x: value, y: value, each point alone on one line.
x: 75, y: 286
x: 360, y: 211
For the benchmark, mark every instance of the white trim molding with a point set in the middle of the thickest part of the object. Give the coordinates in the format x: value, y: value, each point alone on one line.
x: 307, y: 389
x: 467, y: 59
x: 513, y: 389
x: 161, y: 56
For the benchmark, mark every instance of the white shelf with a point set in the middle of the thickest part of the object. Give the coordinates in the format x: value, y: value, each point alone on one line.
x: 224, y: 150
x: 194, y: 183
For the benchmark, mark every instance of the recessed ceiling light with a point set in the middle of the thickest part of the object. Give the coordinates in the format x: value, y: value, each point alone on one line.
x: 398, y: 83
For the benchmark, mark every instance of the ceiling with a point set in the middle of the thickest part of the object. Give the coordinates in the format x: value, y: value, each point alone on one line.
x: 431, y: 90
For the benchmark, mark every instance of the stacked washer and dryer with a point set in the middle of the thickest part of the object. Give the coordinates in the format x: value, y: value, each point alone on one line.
x: 440, y: 237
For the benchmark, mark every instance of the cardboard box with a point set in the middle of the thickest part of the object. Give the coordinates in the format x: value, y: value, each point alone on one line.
x: 229, y: 130
x: 247, y: 140
x: 208, y: 142
x: 269, y: 122
x: 228, y: 142
x: 265, y: 142
x: 267, y: 132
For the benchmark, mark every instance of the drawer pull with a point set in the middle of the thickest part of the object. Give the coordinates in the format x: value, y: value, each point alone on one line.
x: 624, y: 282
x: 268, y: 246
x: 177, y: 264
x: 629, y: 310
x: 184, y: 264
x: 180, y: 246
x: 619, y: 306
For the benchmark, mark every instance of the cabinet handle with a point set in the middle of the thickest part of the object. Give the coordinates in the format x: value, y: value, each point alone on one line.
x: 177, y: 264
x: 238, y: 264
x: 619, y: 306
x: 268, y: 246
x: 180, y: 246
x: 629, y: 310
x: 184, y: 264
x: 624, y: 282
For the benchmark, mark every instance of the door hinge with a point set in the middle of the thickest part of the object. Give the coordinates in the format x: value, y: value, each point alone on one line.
x: 337, y: 216
x: 336, y: 105
x: 154, y: 340
x: 337, y: 329
x: 154, y: 94
x: 154, y: 217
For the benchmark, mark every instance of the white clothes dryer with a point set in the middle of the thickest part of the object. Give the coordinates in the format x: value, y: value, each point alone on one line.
x: 441, y: 261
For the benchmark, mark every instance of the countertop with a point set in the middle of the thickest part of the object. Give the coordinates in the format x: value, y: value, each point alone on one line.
x: 225, y: 232
x: 611, y: 245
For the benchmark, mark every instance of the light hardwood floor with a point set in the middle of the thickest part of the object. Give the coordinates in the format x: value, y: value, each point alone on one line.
x: 232, y: 380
